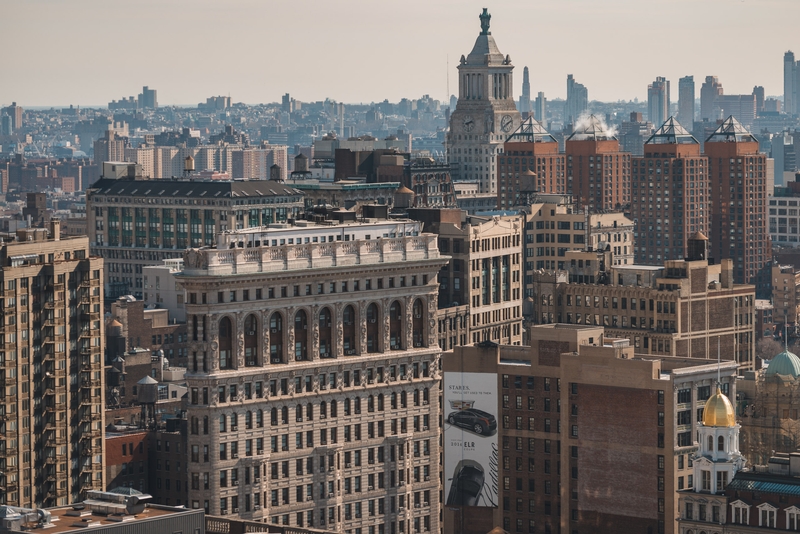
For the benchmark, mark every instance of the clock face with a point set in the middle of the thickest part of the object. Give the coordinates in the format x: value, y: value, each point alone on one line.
x: 469, y: 123
x: 506, y: 123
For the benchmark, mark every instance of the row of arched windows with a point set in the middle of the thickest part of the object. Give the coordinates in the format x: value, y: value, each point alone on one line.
x: 301, y: 412
x: 351, y: 341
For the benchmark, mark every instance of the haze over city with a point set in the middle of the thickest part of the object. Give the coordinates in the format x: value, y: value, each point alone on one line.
x: 416, y: 268
x: 86, y: 52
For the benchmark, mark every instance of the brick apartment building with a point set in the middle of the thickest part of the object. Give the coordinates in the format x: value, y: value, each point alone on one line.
x: 590, y: 436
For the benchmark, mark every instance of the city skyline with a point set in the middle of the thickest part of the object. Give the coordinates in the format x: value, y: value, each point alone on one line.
x: 305, y: 71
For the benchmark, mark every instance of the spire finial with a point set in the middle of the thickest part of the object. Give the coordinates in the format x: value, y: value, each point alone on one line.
x: 719, y: 379
x: 485, y: 17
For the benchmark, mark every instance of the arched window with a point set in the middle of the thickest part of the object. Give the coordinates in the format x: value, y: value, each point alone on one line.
x: 194, y: 328
x: 223, y: 422
x: 285, y: 415
x: 195, y: 425
x: 418, y: 324
x: 234, y: 422
x: 323, y: 410
x: 349, y: 340
x: 251, y: 341
x: 720, y: 443
x: 372, y: 328
x: 416, y: 397
x: 347, y: 406
x: 403, y: 399
x: 225, y: 344
x: 425, y: 397
x: 333, y: 409
x: 393, y: 401
x: 396, y: 326
x: 325, y: 337
x: 260, y: 419
x: 300, y: 336
x: 248, y: 420
x: 310, y: 411
x: 205, y: 424
x: 380, y: 402
x: 298, y: 413
x: 357, y: 405
x: 370, y: 404
x: 273, y: 417
x: 276, y: 338
x: 710, y: 443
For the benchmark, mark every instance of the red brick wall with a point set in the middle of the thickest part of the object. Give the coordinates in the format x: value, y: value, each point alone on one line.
x: 617, y: 460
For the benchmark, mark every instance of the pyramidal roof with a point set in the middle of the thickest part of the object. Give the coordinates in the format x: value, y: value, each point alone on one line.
x: 485, y: 51
x: 531, y: 131
x: 672, y: 133
x: 591, y: 128
x: 731, y: 131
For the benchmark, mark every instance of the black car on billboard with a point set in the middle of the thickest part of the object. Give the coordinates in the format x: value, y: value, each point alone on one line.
x: 474, y: 420
x: 467, y: 485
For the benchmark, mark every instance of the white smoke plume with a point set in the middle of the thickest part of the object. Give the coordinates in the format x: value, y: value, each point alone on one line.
x: 586, y: 122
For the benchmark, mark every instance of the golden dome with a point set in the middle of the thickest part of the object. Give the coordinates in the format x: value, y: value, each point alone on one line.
x: 719, y: 411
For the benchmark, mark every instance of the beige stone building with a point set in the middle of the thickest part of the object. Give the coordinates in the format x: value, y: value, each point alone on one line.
x: 51, y: 412
x: 679, y: 309
x: 591, y: 437
x: 785, y: 294
x: 484, y: 273
x: 314, y: 376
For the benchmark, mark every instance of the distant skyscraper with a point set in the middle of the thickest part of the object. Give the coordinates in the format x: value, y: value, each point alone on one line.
x: 540, y: 108
x: 577, y: 100
x: 658, y: 100
x: 709, y: 92
x: 758, y: 91
x: 686, y: 100
x: 148, y: 98
x: 15, y: 112
x: 791, y: 80
x: 525, y: 99
x: 485, y: 113
x: 5, y: 125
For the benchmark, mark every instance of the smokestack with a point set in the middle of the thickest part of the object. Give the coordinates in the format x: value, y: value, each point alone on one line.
x: 55, y: 229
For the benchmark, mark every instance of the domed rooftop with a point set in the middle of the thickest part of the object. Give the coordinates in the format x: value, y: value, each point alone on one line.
x: 784, y: 364
x: 719, y: 411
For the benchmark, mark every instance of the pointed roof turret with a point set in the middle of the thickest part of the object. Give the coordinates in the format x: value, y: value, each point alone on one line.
x: 531, y: 131
x: 485, y: 51
x: 731, y: 131
x: 592, y: 128
x: 672, y: 133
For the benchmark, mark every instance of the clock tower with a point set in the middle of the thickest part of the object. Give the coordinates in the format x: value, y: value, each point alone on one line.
x: 485, y: 114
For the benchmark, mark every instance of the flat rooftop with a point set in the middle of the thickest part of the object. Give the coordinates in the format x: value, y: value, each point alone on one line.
x: 67, y: 519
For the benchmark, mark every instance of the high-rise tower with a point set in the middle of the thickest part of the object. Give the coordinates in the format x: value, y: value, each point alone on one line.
x: 710, y: 91
x: 485, y: 113
x: 669, y: 195
x: 658, y: 100
x: 791, y: 80
x: 738, y: 176
x: 577, y: 100
x: 525, y: 99
x: 686, y: 101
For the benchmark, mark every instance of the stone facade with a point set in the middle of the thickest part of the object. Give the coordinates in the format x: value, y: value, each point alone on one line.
x: 313, y: 377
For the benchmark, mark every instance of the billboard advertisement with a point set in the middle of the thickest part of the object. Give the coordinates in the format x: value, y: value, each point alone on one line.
x: 470, y: 439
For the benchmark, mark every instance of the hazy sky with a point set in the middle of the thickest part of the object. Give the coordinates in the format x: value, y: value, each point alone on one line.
x: 59, y: 52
